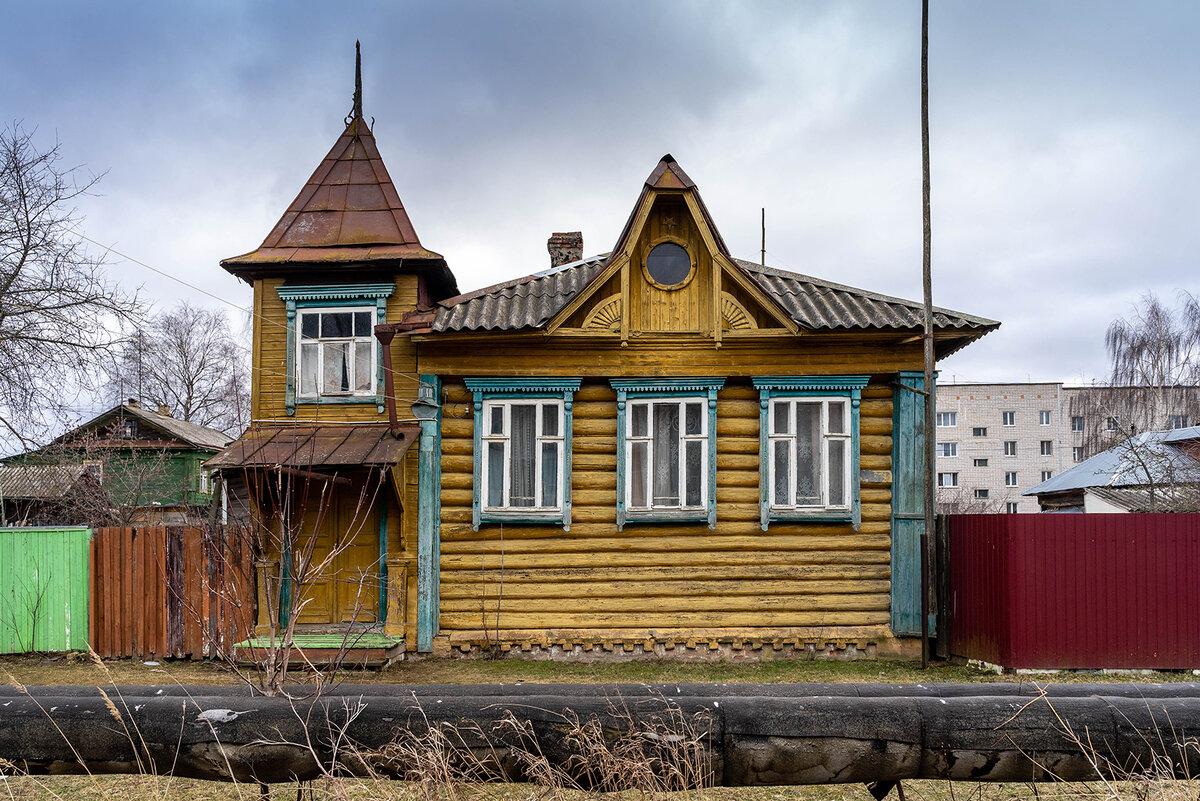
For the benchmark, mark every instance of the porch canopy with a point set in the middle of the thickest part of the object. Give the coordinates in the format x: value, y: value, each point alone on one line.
x: 303, y: 447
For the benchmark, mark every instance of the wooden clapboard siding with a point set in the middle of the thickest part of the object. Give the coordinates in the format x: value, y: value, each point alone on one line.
x: 663, y: 576
x: 269, y: 382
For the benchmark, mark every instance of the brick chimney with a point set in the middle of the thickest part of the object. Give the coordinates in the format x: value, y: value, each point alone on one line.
x: 565, y: 247
x: 164, y: 410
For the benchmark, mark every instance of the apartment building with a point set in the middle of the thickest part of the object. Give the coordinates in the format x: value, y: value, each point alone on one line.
x: 994, y: 441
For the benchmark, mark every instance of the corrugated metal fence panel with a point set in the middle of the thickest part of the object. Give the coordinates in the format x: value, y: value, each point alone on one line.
x: 43, y: 589
x: 169, y: 592
x: 1077, y: 591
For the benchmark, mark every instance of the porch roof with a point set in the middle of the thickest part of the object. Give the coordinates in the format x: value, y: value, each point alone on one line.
x: 317, y: 445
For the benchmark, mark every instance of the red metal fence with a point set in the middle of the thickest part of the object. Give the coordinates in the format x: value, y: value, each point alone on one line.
x: 1076, y: 590
x: 171, y: 591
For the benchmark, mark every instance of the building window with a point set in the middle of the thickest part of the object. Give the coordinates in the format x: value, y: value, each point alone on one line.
x: 336, y: 353
x: 1110, y: 424
x: 522, y: 449
x: 1077, y: 423
x: 1010, y: 447
x: 1008, y: 418
x: 1047, y: 447
x: 1043, y: 418
x: 1047, y: 475
x: 980, y: 462
x: 669, y: 265
x: 979, y: 431
x: 332, y: 354
x: 809, y: 448
x: 947, y: 449
x: 1177, y: 421
x: 947, y: 419
x: 666, y: 453
x: 1012, y: 507
x: 1010, y: 478
x: 947, y: 479
x: 1077, y: 454
x: 981, y: 494
x: 205, y: 481
x: 129, y: 429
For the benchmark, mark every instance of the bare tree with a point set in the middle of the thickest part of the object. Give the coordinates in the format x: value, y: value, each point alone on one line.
x: 1156, y: 346
x: 188, y: 360
x: 58, y: 312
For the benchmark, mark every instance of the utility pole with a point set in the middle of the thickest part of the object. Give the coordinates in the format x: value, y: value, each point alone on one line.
x: 927, y: 339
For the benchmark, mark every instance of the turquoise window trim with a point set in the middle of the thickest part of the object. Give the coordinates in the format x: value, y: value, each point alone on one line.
x: 828, y: 386
x: 318, y: 296
x: 667, y: 389
x: 515, y: 389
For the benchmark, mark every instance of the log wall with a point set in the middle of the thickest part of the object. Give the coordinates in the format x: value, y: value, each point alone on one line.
x: 672, y: 584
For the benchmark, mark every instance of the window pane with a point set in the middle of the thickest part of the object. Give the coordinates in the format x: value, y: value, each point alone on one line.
x: 495, y: 474
x: 549, y: 474
x: 666, y: 454
x: 550, y: 420
x: 781, y: 448
x: 310, y: 325
x: 364, y: 376
x: 808, y: 454
x: 693, y: 469
x: 837, y: 418
x: 362, y: 324
x: 497, y: 421
x: 837, y: 472
x: 637, y: 475
x: 781, y: 417
x: 523, y: 441
x: 335, y: 324
x: 692, y: 421
x: 336, y: 374
x: 308, y: 369
x: 639, y: 412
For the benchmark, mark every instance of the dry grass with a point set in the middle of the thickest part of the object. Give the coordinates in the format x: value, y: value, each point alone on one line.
x: 37, y: 670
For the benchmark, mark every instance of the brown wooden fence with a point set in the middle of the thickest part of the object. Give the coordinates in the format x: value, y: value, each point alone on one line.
x: 171, y: 591
x: 1076, y: 590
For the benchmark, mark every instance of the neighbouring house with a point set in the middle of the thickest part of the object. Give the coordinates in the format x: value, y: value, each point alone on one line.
x: 659, y: 448
x: 1155, y: 471
x: 147, y: 465
x: 50, y: 495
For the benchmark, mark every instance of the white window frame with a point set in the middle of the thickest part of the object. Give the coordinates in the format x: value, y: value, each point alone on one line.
x: 1047, y: 475
x: 1077, y: 423
x: 1047, y: 447
x: 1111, y: 424
x: 826, y: 438
x: 1012, y: 508
x: 979, y: 431
x: 947, y: 419
x: 1008, y: 419
x: 1010, y: 451
x: 948, y: 450
x: 651, y: 405
x: 976, y: 462
x: 205, y: 483
x: 982, y: 494
x: 1011, y: 478
x: 1176, y: 421
x: 947, y: 480
x: 1044, y: 418
x: 487, y: 438
x: 1077, y: 453
x: 319, y: 341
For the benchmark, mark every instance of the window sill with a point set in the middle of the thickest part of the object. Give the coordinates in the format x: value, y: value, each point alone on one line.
x: 529, y: 518
x: 327, y: 399
x: 814, y: 516
x: 664, y: 516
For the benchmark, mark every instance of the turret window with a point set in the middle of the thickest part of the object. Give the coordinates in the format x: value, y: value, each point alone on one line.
x: 337, y: 352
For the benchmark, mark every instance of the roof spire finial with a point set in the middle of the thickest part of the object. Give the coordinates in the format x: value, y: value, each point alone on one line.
x: 357, y: 112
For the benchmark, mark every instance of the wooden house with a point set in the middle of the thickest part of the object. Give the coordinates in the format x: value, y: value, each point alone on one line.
x: 147, y: 467
x: 659, y: 449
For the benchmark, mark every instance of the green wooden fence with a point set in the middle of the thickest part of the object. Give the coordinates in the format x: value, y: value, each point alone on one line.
x: 43, y: 589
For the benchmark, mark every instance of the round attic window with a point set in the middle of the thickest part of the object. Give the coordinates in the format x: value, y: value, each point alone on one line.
x: 668, y: 264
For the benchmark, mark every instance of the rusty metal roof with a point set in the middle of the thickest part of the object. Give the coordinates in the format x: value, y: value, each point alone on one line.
x: 813, y: 303
x: 317, y: 445
x: 348, y: 213
x: 527, y: 302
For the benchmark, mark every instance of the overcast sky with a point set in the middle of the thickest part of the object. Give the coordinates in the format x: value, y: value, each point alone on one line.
x: 1064, y: 139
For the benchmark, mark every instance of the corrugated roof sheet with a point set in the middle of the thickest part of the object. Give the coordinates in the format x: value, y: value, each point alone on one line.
x: 1141, y: 499
x: 316, y: 445
x: 198, y: 435
x: 1149, y: 457
x: 527, y: 302
x: 815, y: 304
x: 38, y: 481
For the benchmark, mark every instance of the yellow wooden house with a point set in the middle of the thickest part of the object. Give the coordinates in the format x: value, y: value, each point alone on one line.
x: 660, y: 449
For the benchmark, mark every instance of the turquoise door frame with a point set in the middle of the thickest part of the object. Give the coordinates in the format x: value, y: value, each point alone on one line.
x: 429, y: 516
